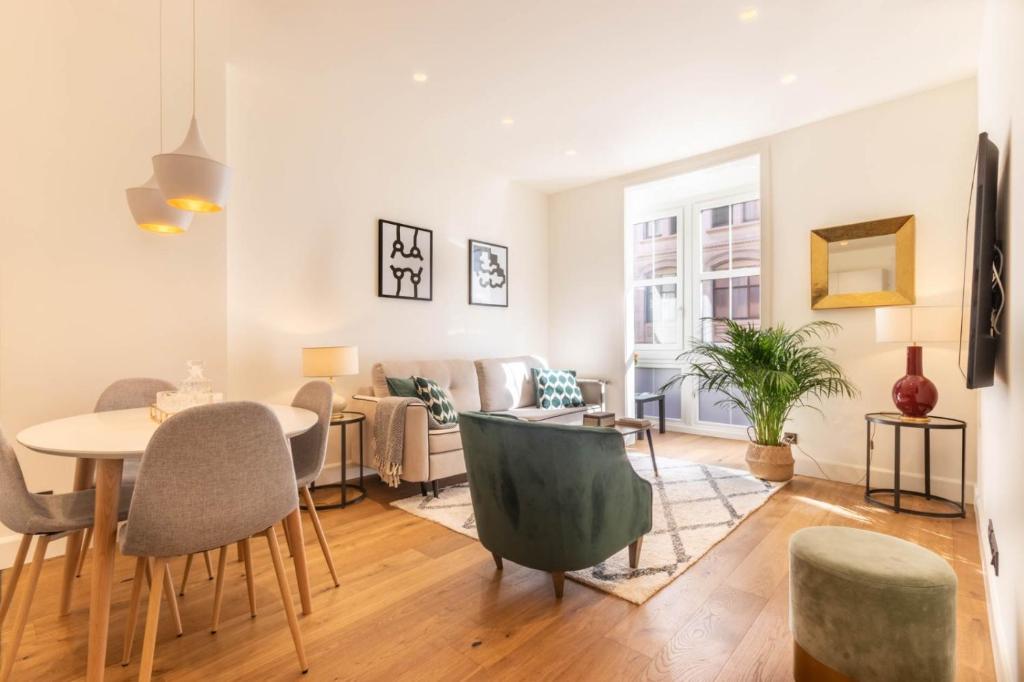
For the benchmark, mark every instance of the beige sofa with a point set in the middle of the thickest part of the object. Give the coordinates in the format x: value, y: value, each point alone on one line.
x: 499, y: 385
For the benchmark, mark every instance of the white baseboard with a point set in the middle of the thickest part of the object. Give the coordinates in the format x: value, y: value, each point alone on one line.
x: 9, y: 548
x: 1003, y: 672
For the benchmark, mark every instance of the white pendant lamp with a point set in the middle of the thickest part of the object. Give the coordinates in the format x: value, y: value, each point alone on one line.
x: 147, y: 204
x: 188, y: 177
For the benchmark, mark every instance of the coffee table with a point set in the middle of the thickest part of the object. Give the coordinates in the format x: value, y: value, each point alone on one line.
x: 638, y: 430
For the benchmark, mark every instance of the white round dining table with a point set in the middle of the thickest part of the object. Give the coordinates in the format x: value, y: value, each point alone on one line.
x: 101, y: 442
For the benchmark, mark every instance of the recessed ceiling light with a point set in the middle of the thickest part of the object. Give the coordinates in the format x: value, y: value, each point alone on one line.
x: 748, y: 15
x: 508, y: 121
x: 419, y: 77
x: 788, y: 79
x: 570, y: 152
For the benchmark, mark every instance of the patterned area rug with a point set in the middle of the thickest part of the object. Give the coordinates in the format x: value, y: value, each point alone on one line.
x: 695, y: 507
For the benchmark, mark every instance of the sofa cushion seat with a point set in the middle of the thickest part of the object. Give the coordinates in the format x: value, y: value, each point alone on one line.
x: 444, y: 440
x: 537, y: 414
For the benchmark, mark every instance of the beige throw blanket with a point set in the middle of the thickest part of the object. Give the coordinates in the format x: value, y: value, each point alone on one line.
x: 389, y: 432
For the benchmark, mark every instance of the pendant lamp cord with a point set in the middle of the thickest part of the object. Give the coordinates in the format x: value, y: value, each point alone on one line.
x: 160, y: 70
x: 195, y: 58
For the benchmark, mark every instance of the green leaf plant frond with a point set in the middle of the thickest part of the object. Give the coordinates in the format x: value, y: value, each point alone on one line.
x: 765, y: 373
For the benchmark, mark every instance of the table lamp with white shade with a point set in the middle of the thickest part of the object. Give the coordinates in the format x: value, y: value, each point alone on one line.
x: 915, y: 395
x: 330, y: 362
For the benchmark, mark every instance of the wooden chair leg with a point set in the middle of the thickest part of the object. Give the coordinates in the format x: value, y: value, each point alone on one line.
x: 294, y: 523
x: 287, y: 538
x: 497, y: 561
x: 26, y: 604
x: 218, y: 593
x: 133, y: 610
x: 634, y: 552
x: 85, y: 550
x: 172, y: 601
x: 558, y: 578
x: 184, y: 577
x: 320, y: 536
x: 152, y: 622
x: 250, y: 581
x: 239, y: 552
x: 286, y: 598
x: 209, y: 565
x: 12, y: 581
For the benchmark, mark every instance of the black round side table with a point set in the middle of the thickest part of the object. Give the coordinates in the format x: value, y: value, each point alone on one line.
x: 928, y: 424
x: 344, y: 420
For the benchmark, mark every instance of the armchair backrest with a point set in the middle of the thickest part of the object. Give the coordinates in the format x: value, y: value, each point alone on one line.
x: 549, y: 496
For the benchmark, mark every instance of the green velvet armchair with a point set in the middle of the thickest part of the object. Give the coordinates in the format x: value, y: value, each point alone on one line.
x: 553, y: 497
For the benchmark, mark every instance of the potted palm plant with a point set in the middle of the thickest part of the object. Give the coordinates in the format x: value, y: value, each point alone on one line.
x: 765, y: 373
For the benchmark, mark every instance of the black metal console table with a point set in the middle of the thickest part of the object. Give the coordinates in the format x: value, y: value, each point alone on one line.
x: 928, y: 424
x: 344, y: 420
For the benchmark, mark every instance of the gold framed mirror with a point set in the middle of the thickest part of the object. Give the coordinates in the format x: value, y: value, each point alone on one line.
x: 863, y: 265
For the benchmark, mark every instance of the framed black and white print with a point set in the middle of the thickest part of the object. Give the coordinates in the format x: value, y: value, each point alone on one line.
x: 488, y: 274
x: 405, y: 266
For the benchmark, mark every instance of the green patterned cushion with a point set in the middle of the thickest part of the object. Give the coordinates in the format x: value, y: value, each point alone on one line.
x: 557, y: 388
x: 438, y: 402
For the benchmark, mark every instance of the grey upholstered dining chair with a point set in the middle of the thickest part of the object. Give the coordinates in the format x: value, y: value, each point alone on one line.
x: 211, y: 476
x: 45, y: 517
x: 127, y: 394
x: 309, y: 450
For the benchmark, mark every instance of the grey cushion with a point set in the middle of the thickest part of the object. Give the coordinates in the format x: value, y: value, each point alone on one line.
x: 211, y: 475
x: 871, y: 606
x: 507, y: 383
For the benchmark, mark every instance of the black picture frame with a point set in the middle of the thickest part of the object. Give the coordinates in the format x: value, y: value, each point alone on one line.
x: 480, y: 293
x: 391, y: 285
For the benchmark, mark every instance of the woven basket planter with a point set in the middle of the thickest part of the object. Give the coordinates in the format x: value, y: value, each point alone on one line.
x: 770, y: 462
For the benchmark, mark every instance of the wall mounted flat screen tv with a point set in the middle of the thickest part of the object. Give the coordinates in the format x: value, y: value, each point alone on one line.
x: 985, y: 276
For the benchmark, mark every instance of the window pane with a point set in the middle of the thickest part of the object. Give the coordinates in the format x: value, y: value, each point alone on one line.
x: 714, y: 238
x: 746, y: 245
x: 655, y: 314
x: 707, y: 411
x: 665, y: 245
x: 649, y: 380
x: 746, y: 300
x: 643, y: 249
x: 714, y: 302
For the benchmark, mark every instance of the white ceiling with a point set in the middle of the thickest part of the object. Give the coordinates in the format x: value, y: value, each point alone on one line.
x: 627, y: 85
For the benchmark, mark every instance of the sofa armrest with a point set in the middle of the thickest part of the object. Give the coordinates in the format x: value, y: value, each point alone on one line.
x: 415, y: 462
x: 593, y: 391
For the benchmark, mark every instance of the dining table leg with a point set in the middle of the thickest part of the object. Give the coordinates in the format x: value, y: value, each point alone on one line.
x: 293, y: 522
x: 83, y: 480
x: 108, y: 489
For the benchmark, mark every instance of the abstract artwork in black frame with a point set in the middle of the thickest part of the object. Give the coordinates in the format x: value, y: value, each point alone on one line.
x: 488, y: 274
x: 405, y: 261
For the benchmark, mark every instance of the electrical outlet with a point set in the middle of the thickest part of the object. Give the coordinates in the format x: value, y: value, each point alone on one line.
x: 993, y: 547
x: 789, y: 437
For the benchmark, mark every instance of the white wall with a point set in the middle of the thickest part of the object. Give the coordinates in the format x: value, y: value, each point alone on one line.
x: 320, y: 160
x: 912, y: 155
x: 85, y: 296
x: 1000, y: 453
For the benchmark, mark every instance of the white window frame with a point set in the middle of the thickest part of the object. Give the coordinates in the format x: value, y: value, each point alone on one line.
x: 689, y: 279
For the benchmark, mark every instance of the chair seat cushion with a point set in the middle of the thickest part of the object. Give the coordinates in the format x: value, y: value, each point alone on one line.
x: 70, y: 511
x: 444, y: 440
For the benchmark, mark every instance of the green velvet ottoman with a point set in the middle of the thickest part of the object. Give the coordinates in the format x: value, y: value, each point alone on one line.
x: 866, y: 606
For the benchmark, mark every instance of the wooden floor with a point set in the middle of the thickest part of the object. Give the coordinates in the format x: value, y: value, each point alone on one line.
x: 420, y: 602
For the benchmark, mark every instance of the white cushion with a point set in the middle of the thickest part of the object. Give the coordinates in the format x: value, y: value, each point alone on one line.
x: 568, y: 415
x: 507, y: 383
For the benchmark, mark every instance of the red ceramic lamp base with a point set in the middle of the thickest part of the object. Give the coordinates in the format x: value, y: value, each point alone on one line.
x: 915, y: 395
